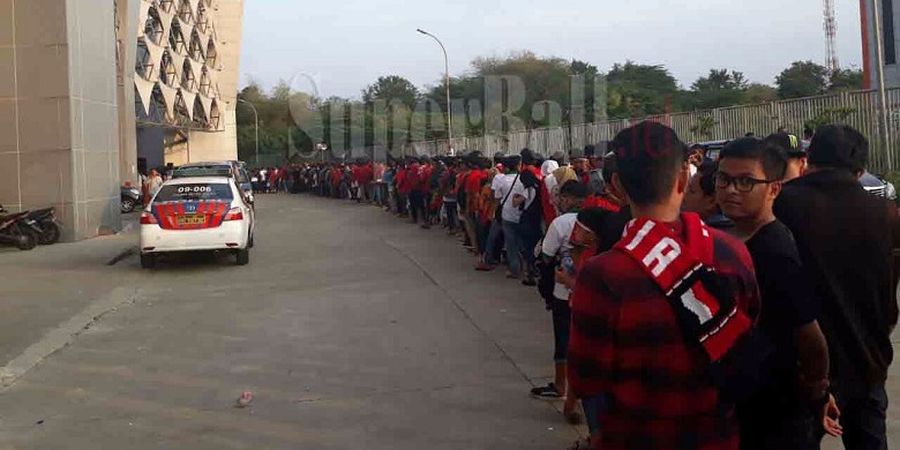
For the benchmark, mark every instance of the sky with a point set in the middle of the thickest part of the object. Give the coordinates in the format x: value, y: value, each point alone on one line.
x: 344, y: 45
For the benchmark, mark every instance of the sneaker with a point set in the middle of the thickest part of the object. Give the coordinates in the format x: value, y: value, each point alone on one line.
x: 548, y: 391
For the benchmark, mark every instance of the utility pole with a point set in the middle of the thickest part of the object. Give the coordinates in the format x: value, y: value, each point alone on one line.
x: 884, y: 123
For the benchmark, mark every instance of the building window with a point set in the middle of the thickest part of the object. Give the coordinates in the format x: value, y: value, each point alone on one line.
x: 890, y: 47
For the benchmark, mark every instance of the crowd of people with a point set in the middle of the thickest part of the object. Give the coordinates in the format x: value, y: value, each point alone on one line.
x: 270, y: 180
x: 742, y: 302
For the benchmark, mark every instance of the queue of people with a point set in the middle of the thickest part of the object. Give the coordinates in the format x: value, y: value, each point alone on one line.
x: 744, y: 302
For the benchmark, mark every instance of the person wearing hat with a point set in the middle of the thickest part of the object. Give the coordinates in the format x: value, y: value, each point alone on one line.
x: 797, y: 156
x: 549, y: 187
x: 581, y: 165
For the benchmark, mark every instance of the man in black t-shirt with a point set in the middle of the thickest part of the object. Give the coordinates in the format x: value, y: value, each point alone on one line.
x: 845, y: 240
x: 781, y: 415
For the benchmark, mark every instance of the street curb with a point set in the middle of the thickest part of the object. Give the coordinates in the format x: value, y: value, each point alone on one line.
x: 123, y: 255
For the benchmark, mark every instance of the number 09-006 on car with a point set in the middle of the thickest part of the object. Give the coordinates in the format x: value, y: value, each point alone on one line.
x: 197, y: 214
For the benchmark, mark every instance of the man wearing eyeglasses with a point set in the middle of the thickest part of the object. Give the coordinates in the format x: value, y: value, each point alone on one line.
x: 781, y: 414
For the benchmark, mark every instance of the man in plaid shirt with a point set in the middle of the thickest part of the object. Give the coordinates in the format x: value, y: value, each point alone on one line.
x: 626, y: 343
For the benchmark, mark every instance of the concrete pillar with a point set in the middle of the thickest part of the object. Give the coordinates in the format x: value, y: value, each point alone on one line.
x: 127, y: 17
x: 59, y: 132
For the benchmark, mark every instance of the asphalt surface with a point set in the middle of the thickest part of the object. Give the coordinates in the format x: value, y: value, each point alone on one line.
x: 351, y: 328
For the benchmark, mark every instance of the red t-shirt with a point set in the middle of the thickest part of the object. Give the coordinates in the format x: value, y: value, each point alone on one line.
x: 425, y: 173
x: 414, y: 177
x: 403, y: 182
x: 460, y: 177
x: 356, y: 172
x: 336, y: 175
x: 547, y: 208
x: 536, y: 171
x: 473, y: 183
x: 366, y: 174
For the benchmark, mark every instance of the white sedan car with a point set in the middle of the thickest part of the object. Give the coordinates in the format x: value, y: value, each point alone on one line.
x: 197, y: 214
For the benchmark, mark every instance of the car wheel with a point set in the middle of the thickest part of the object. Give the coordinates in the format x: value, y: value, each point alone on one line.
x: 148, y: 261
x: 243, y: 257
x: 128, y: 205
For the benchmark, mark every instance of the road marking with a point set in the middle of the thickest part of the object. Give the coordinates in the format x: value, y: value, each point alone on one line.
x: 64, y: 334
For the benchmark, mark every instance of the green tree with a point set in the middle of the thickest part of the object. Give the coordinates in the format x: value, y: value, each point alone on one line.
x: 636, y: 90
x: 802, y: 79
x: 594, y: 103
x: 845, y: 80
x: 757, y: 93
x: 828, y: 117
x: 719, y: 88
x: 392, y: 88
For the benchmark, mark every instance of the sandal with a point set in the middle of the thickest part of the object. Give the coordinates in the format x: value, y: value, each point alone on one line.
x: 548, y: 391
x: 482, y: 267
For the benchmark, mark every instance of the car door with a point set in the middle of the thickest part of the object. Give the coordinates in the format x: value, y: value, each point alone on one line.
x: 246, y: 205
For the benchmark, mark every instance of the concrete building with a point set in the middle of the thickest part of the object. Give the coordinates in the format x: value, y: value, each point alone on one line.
x: 74, y: 82
x: 890, y: 14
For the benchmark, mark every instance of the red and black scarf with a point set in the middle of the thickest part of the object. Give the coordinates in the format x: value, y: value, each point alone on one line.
x: 682, y: 268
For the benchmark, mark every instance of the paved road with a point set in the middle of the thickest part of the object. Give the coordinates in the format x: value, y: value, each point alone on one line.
x: 351, y: 328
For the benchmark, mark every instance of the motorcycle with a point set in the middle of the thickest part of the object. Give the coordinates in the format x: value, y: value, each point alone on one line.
x: 13, y: 232
x: 41, y: 224
x: 131, y: 198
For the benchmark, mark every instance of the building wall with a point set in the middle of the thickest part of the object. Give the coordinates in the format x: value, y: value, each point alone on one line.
x: 67, y: 96
x: 210, y: 139
x: 218, y: 146
x: 58, y: 111
x: 222, y: 145
x: 891, y: 33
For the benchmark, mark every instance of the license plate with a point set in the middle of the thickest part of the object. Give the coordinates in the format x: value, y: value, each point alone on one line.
x: 191, y: 220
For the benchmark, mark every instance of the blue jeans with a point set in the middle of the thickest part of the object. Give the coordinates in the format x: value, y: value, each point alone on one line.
x: 452, y: 215
x: 530, y: 234
x: 376, y: 194
x: 491, y: 255
x: 514, y: 247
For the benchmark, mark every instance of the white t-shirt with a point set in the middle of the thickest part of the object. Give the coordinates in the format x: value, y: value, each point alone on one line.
x: 154, y: 185
x: 510, y: 212
x: 500, y: 185
x: 555, y: 241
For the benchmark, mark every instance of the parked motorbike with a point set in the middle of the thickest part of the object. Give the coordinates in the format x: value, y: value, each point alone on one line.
x: 13, y: 231
x: 43, y: 221
x: 41, y: 224
x: 131, y: 198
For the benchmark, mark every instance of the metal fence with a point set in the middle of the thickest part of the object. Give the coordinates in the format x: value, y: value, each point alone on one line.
x: 724, y: 123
